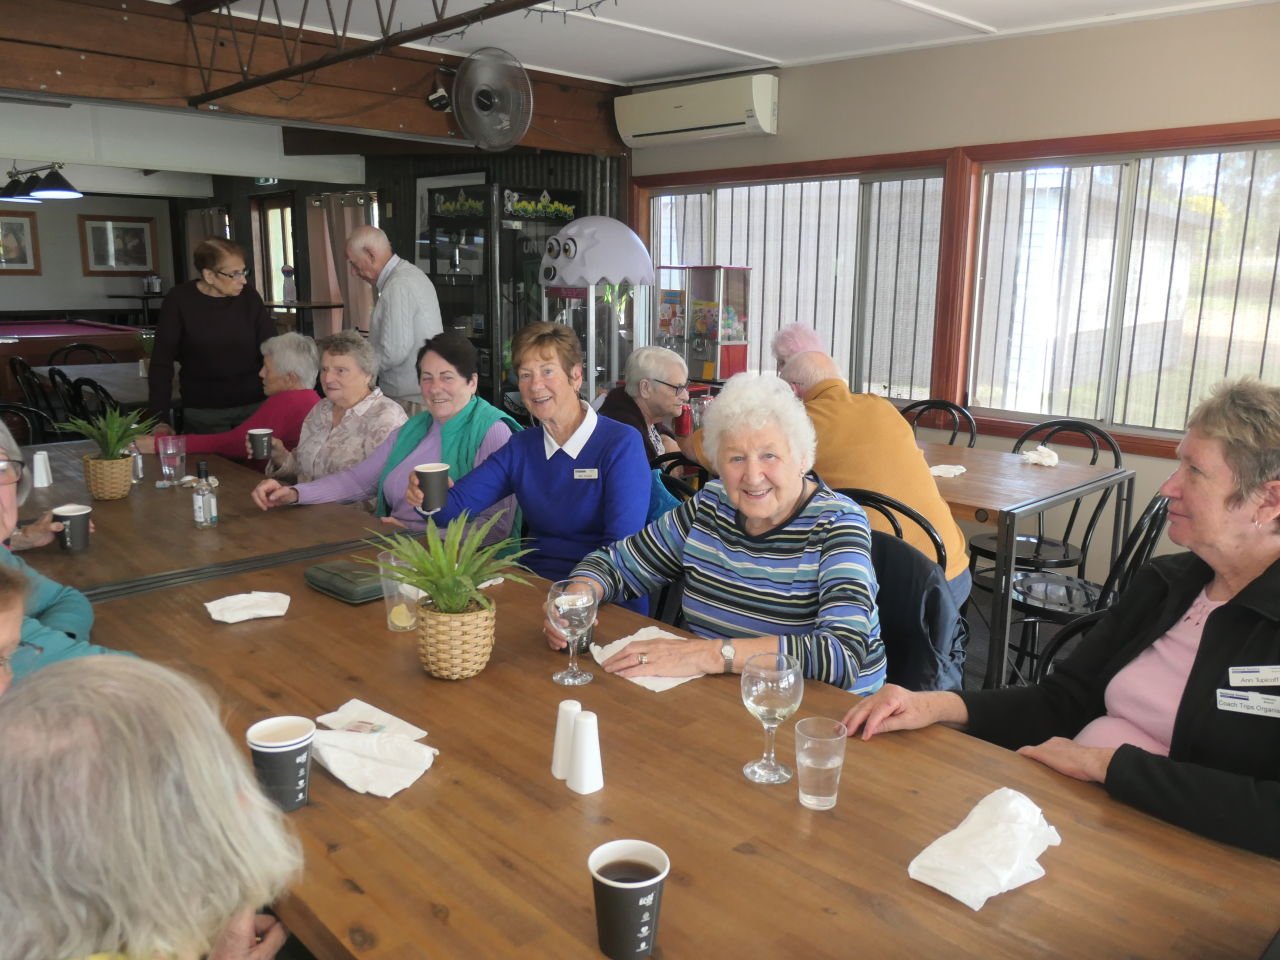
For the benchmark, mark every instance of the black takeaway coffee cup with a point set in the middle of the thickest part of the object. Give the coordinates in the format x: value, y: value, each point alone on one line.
x: 282, y: 759
x: 74, y: 518
x: 433, y: 478
x: 627, y: 876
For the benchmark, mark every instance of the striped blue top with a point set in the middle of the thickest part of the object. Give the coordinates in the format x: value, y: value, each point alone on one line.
x: 810, y: 581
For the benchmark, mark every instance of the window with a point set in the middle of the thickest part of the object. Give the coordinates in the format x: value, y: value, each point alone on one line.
x: 273, y: 244
x: 803, y: 240
x: 1122, y: 289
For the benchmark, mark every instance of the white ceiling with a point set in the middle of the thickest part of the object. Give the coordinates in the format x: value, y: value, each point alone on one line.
x: 636, y: 42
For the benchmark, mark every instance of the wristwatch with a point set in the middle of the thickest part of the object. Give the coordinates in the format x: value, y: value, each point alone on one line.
x: 727, y: 651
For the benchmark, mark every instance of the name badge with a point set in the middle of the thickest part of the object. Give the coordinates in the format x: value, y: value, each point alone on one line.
x: 586, y: 473
x: 1237, y: 701
x: 1255, y: 676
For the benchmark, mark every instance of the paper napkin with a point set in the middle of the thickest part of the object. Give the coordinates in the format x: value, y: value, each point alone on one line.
x: 947, y: 470
x: 356, y: 716
x: 656, y: 684
x: 996, y: 848
x: 248, y: 606
x: 379, y: 763
x: 1041, y: 457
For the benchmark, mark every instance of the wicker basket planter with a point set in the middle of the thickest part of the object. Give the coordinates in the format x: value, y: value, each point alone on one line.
x: 108, y: 479
x: 454, y: 646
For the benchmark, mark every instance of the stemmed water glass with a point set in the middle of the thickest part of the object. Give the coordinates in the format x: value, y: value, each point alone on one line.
x: 772, y: 687
x: 571, y: 606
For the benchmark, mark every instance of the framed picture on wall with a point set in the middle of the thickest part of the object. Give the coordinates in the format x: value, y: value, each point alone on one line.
x: 19, y: 244
x: 117, y: 246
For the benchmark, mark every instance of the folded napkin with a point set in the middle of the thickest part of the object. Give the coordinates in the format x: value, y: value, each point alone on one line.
x: 993, y: 850
x: 947, y: 470
x: 248, y: 606
x: 656, y: 684
x: 1041, y: 456
x: 356, y: 716
x: 379, y: 763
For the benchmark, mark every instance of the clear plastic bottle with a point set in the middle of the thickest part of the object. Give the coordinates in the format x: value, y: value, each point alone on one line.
x: 204, y: 498
x: 137, y: 462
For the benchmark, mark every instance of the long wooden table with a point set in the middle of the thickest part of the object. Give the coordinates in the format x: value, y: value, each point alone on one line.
x: 1001, y: 488
x: 149, y: 539
x: 484, y: 856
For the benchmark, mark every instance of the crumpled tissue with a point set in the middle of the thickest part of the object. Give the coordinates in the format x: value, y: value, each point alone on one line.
x: 248, y: 606
x: 656, y: 684
x: 372, y: 751
x: 995, y: 848
x: 1041, y: 457
x: 947, y: 470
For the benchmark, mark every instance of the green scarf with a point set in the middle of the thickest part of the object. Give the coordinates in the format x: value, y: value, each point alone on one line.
x: 460, y: 438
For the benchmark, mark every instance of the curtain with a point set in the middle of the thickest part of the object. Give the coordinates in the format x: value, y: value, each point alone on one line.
x: 330, y: 219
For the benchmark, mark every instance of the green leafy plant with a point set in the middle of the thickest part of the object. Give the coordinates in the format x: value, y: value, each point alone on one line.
x: 450, y: 567
x: 111, y: 430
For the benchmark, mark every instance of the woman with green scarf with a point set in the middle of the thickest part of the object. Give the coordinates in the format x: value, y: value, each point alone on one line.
x: 455, y: 427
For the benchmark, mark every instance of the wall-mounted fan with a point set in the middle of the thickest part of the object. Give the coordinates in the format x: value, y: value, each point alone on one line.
x: 492, y: 99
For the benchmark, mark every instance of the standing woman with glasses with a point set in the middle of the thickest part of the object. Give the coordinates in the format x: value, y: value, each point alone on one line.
x: 214, y: 327
x: 57, y: 619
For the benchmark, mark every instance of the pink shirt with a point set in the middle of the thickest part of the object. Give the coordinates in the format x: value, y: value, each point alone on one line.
x: 1142, y: 699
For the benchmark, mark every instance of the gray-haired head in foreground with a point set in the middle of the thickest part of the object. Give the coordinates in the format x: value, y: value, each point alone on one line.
x: 1244, y: 416
x: 292, y: 353
x: 131, y: 823
x: 653, y: 363
x: 12, y: 451
x: 348, y: 343
x: 753, y: 401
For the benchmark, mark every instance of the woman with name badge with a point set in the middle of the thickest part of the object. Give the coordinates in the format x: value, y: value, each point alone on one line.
x: 1172, y: 700
x: 581, y: 480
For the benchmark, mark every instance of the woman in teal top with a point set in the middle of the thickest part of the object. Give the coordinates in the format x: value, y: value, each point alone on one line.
x: 57, y: 619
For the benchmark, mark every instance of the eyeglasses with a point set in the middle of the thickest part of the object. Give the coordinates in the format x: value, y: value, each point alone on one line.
x: 11, y: 472
x: 677, y: 387
x: 235, y: 274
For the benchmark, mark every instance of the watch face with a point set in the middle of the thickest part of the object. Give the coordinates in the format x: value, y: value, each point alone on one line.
x: 727, y: 651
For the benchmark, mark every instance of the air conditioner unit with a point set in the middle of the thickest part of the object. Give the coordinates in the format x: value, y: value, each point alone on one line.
x: 742, y: 106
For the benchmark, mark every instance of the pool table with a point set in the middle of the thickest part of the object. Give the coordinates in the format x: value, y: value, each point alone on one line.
x: 34, y: 339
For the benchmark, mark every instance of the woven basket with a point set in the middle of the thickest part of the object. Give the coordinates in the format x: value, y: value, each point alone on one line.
x: 108, y: 479
x: 454, y: 646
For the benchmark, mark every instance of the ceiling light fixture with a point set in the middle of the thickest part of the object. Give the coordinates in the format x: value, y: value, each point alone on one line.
x: 14, y: 192
x: 34, y: 189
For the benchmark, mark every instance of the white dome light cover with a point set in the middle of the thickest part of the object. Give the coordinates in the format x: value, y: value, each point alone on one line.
x: 596, y: 250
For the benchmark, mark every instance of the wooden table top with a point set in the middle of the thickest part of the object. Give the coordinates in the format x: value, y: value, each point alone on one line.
x: 149, y: 538
x: 995, y: 481
x: 121, y: 380
x: 484, y: 856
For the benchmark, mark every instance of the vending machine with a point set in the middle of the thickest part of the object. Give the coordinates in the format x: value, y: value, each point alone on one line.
x: 701, y: 314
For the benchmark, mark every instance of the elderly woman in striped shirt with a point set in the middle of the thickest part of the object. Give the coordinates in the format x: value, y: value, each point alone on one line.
x: 771, y: 558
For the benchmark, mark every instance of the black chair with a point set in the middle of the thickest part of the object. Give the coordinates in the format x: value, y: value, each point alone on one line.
x: 924, y: 634
x: 1072, y: 631
x: 1046, y: 596
x: 677, y: 464
x: 28, y: 424
x: 68, y: 354
x: 94, y: 398
x: 66, y: 397
x: 676, y: 487
x: 34, y: 393
x: 890, y: 508
x: 1038, y: 551
x: 961, y: 419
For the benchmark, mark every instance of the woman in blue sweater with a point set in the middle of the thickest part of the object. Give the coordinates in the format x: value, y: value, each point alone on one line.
x: 582, y: 480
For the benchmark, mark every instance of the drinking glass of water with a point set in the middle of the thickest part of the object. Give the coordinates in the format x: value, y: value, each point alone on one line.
x: 819, y: 759
x: 173, y: 456
x: 772, y: 687
x: 571, y: 606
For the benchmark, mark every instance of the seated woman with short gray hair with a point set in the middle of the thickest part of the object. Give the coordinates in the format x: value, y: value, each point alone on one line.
x: 290, y: 364
x: 132, y: 824
x: 771, y: 558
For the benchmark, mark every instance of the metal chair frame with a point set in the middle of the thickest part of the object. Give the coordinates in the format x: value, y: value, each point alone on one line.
x: 40, y: 427
x: 34, y: 393
x: 960, y: 418
x: 1073, y: 630
x: 670, y: 462
x: 65, y: 392
x: 889, y: 508
x: 102, y: 399
x: 65, y: 354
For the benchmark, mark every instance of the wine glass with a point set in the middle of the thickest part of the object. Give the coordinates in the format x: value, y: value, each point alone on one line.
x: 571, y: 606
x: 772, y: 687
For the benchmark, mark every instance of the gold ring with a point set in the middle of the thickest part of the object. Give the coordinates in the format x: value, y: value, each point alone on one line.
x: 643, y: 659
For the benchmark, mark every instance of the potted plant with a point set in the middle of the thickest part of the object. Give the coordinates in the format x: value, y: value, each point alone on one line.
x: 109, y: 475
x: 456, y: 621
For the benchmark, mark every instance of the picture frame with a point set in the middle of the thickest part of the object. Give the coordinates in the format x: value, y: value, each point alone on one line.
x: 19, y: 244
x: 113, y: 246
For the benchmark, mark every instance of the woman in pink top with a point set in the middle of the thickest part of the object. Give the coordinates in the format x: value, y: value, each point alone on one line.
x: 1172, y: 701
x: 290, y: 365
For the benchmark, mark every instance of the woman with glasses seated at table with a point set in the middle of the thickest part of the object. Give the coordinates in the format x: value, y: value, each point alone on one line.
x: 1157, y: 702
x: 772, y: 560
x: 288, y: 375
x: 349, y: 423
x: 132, y: 824
x: 455, y: 427
x: 57, y: 619
x: 212, y: 326
x: 656, y: 389
x: 581, y: 480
